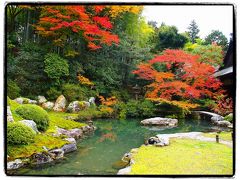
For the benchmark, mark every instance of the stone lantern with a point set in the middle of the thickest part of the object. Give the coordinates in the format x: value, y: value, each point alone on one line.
x: 136, y: 91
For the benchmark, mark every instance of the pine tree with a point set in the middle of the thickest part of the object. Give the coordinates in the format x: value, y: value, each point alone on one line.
x: 193, y: 31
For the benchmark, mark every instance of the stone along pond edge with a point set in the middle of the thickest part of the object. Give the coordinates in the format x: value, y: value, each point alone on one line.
x: 53, y: 155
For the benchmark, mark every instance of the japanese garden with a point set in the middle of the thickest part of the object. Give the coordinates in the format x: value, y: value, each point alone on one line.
x: 100, y: 90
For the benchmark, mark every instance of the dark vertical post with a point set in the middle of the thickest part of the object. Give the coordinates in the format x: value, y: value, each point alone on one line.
x: 217, y: 138
x: 232, y: 136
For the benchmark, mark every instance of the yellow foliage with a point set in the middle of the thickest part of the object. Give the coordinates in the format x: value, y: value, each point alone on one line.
x: 84, y: 80
x: 106, y: 109
x: 117, y: 10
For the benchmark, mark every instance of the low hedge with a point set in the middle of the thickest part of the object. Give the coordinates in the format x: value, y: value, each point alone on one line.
x: 19, y: 134
x: 35, y: 113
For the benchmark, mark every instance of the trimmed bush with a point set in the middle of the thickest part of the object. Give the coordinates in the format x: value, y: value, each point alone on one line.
x: 74, y: 92
x: 19, y: 134
x: 13, y: 91
x: 35, y: 113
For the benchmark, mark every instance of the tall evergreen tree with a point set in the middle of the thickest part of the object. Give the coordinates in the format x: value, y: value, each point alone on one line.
x: 193, y: 31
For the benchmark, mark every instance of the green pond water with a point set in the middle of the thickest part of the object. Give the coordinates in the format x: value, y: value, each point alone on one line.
x: 112, y: 139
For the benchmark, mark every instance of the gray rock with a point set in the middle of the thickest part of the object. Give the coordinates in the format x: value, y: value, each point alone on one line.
x: 164, y: 140
x: 69, y: 148
x: 223, y: 123
x: 57, y: 153
x: 71, y: 140
x: 30, y: 101
x: 92, y: 100
x: 9, y: 114
x: 153, y: 140
x: 48, y: 105
x: 41, y: 158
x: 41, y: 99
x: 159, y: 144
x: 74, y: 107
x: 125, y: 171
x: 127, y: 157
x: 216, y: 118
x: 75, y: 133
x: 19, y: 100
x: 60, y: 104
x: 159, y: 121
x: 87, y: 104
x: 31, y: 124
x: 16, y: 164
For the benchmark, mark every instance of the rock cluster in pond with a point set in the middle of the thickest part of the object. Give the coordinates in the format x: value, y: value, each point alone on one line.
x: 159, y: 121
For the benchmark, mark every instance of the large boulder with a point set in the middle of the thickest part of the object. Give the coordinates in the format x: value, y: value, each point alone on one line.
x: 159, y: 121
x: 69, y: 148
x: 48, y: 105
x: 41, y: 99
x: 31, y: 124
x: 216, y: 118
x: 60, y: 104
x: 17, y: 163
x: 71, y: 140
x: 9, y: 114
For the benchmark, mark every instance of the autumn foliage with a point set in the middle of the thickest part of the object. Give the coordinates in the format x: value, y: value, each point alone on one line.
x: 86, y: 21
x: 181, y: 79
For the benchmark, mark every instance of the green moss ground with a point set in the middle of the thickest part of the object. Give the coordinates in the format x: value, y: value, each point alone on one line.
x: 227, y: 136
x: 56, y: 119
x: 184, y: 157
x: 50, y: 142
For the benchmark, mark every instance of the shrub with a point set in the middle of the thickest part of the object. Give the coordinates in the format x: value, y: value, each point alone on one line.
x: 53, y: 93
x: 55, y: 66
x: 147, y: 108
x: 132, y: 108
x: 8, y: 101
x: 75, y: 92
x: 106, y: 111
x: 19, y: 134
x: 90, y: 113
x: 13, y: 91
x: 229, y: 117
x: 35, y: 113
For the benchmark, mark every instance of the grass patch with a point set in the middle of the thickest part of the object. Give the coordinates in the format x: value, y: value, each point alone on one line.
x: 58, y: 119
x: 184, y: 156
x: 227, y: 136
x: 20, y: 151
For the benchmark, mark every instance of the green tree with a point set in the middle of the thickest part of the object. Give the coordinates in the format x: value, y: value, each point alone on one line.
x: 193, y: 31
x: 217, y: 37
x: 169, y: 38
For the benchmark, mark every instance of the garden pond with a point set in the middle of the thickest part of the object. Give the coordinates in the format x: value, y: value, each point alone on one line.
x: 97, y: 154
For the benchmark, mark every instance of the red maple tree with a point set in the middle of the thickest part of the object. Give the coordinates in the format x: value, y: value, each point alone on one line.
x: 181, y: 78
x: 88, y: 21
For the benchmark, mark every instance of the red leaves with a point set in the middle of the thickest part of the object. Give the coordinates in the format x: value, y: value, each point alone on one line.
x: 103, y: 21
x: 184, y: 77
x: 79, y: 19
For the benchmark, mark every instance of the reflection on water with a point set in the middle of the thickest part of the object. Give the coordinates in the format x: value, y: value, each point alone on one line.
x: 99, y: 153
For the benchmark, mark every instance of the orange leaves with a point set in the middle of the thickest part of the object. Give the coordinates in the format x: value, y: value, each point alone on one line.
x: 108, y: 101
x: 85, y: 20
x: 84, y: 80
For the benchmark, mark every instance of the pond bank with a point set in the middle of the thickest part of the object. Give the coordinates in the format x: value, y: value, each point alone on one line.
x: 183, y: 143
x: 46, y: 155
